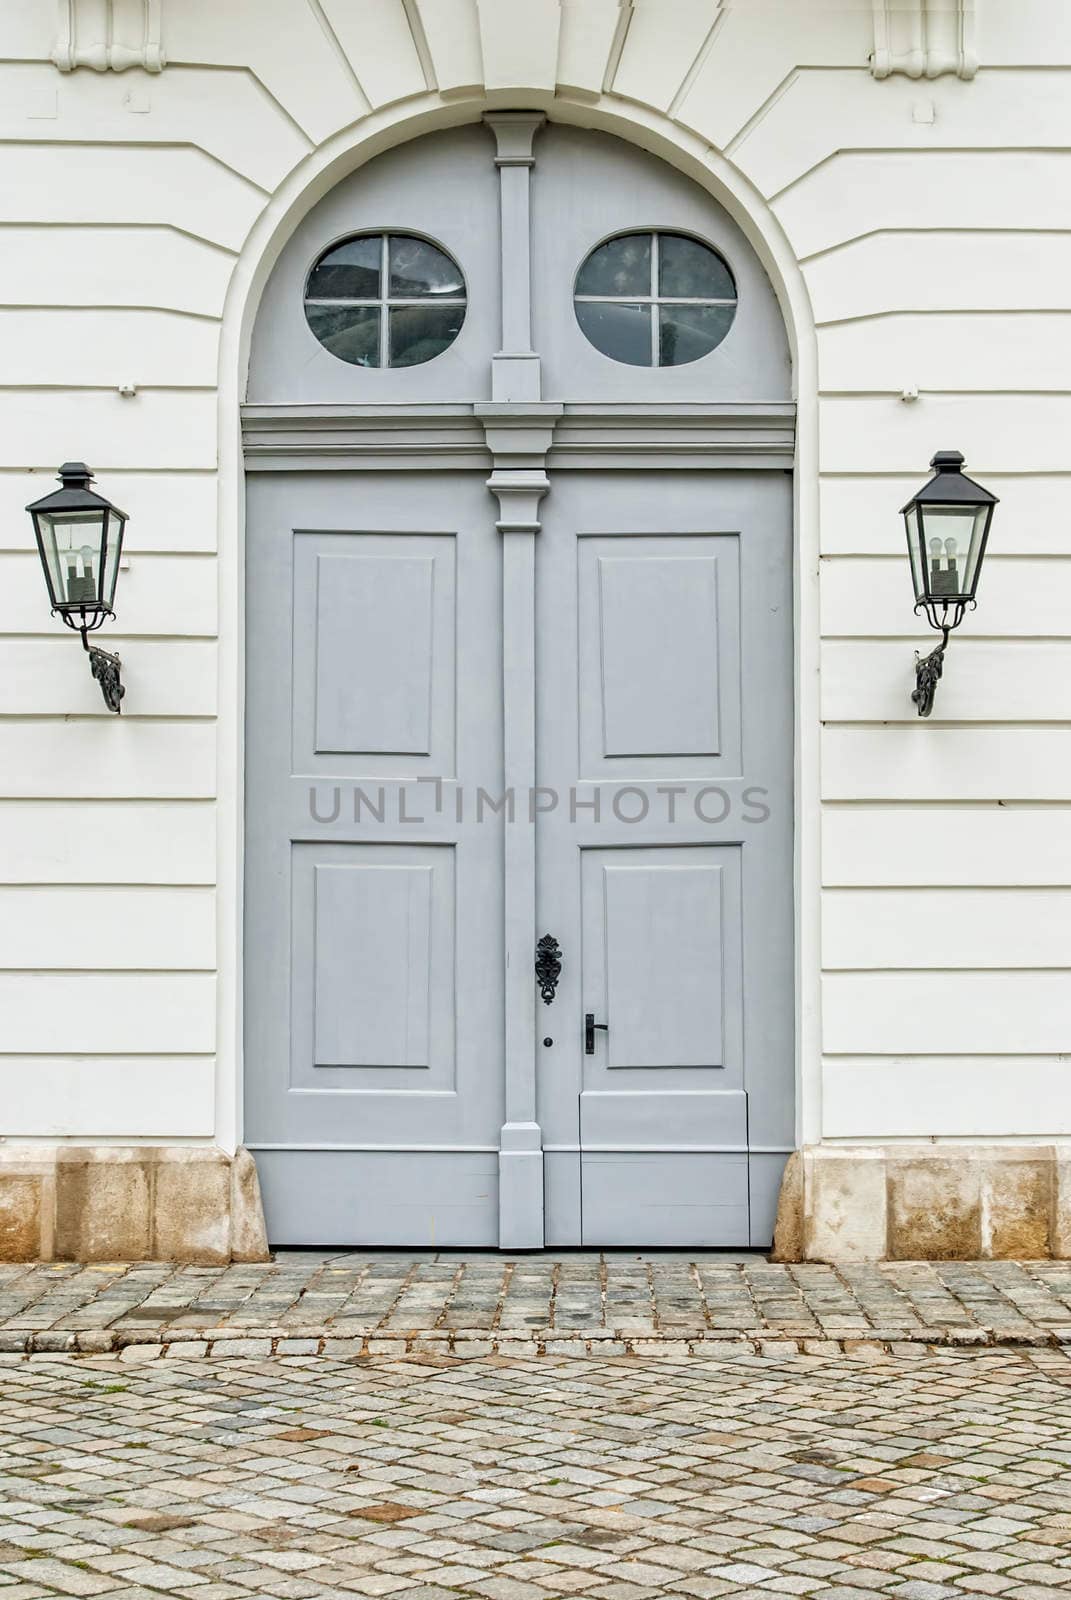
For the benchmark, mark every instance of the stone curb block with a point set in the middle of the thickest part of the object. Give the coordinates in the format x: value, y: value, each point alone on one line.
x: 471, y: 1344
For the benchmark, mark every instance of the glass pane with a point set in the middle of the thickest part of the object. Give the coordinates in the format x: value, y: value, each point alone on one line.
x: 75, y: 539
x: 349, y: 332
x: 915, y: 548
x: 417, y: 268
x: 348, y: 272
x: 687, y: 332
x: 691, y: 269
x: 112, y: 547
x: 974, y: 557
x: 620, y: 266
x: 417, y: 333
x: 620, y: 331
x: 953, y: 536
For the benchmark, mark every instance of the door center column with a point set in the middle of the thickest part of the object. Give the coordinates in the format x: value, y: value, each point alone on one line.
x: 518, y: 428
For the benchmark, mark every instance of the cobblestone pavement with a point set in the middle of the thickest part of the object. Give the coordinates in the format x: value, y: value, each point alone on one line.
x: 615, y: 1303
x: 917, y: 1477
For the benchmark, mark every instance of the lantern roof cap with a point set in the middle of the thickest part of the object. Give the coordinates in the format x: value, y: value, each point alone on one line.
x: 949, y: 486
x: 74, y: 493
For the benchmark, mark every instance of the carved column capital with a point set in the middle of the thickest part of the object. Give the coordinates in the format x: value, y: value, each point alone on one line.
x: 518, y: 437
x: 514, y: 133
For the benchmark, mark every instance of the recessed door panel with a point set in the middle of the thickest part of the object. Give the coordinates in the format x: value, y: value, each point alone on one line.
x: 659, y: 642
x: 374, y: 654
x: 374, y: 647
x: 665, y: 961
x: 658, y: 630
x: 373, y: 967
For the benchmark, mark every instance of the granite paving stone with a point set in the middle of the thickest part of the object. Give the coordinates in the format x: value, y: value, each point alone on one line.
x: 677, y: 1300
x: 300, y: 1476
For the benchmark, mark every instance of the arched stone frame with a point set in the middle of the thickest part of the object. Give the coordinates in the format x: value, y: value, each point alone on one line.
x: 306, y: 184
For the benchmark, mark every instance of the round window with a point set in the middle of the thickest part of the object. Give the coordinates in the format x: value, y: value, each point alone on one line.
x: 655, y: 299
x: 385, y: 300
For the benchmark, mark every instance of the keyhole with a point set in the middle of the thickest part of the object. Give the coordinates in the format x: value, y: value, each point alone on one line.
x: 548, y: 1042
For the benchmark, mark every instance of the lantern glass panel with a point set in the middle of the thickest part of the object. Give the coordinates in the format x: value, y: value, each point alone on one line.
x: 952, y: 538
x: 72, y: 545
x: 915, y: 548
x: 113, y: 545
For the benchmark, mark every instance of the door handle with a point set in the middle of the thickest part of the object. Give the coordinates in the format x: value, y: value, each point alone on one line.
x: 589, y: 1032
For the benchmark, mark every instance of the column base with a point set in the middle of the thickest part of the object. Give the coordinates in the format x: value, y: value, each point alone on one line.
x: 520, y: 1199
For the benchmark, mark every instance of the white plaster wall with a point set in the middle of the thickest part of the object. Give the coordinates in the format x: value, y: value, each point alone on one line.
x: 918, y: 234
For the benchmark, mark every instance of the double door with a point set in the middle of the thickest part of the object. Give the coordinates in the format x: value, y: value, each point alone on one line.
x: 380, y: 868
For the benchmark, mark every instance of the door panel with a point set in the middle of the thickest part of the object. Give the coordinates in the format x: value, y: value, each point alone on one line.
x: 373, y: 967
x: 686, y: 1199
x: 374, y: 1014
x: 665, y: 959
x: 661, y: 955
x: 664, y: 867
x: 401, y: 1198
x: 656, y: 615
x: 374, y: 653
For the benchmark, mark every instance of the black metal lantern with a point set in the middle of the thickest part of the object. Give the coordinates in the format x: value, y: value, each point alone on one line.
x: 947, y: 525
x: 80, y: 539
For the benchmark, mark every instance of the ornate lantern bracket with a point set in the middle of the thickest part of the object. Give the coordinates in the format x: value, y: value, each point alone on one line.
x: 105, y: 668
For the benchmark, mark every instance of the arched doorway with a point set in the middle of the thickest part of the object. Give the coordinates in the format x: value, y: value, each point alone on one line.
x: 558, y: 711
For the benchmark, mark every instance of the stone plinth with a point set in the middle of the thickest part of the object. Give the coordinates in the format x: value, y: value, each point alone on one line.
x: 911, y: 1202
x: 129, y: 1203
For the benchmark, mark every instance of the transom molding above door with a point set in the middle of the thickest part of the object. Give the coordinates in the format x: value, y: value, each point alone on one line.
x: 281, y: 438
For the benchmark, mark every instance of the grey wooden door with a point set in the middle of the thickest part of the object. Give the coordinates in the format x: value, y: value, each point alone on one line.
x: 557, y: 317
x: 373, y: 898
x: 664, y: 857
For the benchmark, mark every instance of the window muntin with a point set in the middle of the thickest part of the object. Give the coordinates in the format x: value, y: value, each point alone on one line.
x: 655, y: 299
x: 385, y: 300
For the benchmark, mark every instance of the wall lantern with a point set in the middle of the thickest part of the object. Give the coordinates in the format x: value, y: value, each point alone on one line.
x: 79, y: 539
x: 947, y: 527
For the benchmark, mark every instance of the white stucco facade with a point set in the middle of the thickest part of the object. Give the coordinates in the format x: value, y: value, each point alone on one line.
x: 899, y: 167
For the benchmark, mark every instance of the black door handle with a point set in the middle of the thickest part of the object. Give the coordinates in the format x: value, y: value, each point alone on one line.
x: 589, y: 1032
